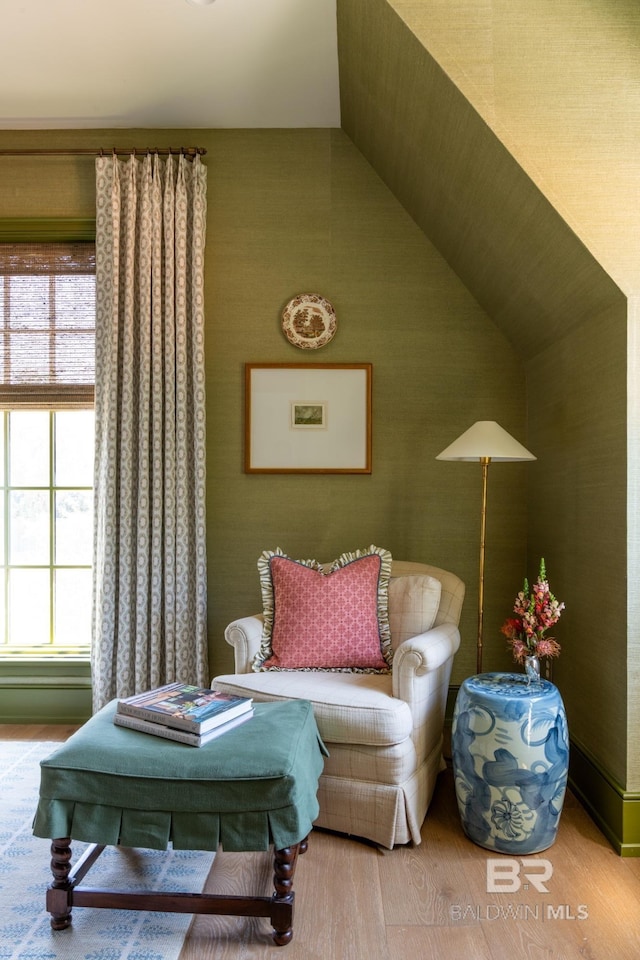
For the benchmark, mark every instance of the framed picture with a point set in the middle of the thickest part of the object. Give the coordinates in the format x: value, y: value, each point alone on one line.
x: 308, y: 418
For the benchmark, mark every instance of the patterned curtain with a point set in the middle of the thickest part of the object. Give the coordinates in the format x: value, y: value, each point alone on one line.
x: 149, y: 607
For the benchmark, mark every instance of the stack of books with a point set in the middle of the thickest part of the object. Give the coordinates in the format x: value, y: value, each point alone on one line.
x: 182, y: 712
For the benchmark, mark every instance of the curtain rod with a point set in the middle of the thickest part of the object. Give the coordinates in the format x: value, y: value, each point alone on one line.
x: 189, y: 152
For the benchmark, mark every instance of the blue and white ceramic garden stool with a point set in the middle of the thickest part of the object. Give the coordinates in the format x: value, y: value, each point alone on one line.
x: 510, y: 761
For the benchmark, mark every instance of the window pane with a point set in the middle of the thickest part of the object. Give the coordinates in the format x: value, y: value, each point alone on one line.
x: 73, y: 608
x: 29, y: 525
x: 34, y: 352
x: 74, y: 527
x: 2, y: 556
x: 1, y: 448
x: 29, y: 607
x: 75, y: 301
x: 3, y: 638
x: 74, y: 448
x: 29, y: 303
x: 73, y: 357
x: 29, y: 448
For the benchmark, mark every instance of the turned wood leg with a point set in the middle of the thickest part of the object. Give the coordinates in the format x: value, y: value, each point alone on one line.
x: 284, y: 868
x: 58, y: 899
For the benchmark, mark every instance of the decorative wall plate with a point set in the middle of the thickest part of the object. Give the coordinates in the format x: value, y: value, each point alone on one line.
x: 309, y: 321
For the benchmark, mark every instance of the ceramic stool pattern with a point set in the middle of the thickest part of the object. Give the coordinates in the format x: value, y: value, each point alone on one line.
x: 510, y: 759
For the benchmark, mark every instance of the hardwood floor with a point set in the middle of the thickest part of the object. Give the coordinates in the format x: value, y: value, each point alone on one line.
x: 36, y: 731
x: 431, y: 901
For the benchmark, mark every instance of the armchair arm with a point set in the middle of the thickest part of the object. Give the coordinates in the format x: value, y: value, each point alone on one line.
x: 245, y: 636
x: 422, y: 654
x: 420, y: 677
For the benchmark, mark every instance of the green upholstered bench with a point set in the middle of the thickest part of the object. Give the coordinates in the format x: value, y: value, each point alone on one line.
x: 252, y: 788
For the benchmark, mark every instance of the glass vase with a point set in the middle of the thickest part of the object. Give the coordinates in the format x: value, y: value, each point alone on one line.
x: 532, y: 668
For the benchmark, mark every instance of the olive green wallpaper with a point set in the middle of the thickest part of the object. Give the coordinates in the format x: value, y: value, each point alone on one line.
x: 302, y: 211
x: 296, y: 212
x: 578, y: 509
x: 431, y: 101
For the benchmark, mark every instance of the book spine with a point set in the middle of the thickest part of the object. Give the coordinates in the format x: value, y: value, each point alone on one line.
x: 154, y: 716
x: 157, y: 730
x: 182, y: 723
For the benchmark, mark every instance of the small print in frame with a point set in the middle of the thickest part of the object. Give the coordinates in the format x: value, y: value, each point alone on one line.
x: 308, y: 416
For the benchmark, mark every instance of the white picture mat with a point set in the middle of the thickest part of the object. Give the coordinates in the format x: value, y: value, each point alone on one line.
x: 342, y: 446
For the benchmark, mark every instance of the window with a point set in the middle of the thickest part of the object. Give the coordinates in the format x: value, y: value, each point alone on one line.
x: 47, y: 318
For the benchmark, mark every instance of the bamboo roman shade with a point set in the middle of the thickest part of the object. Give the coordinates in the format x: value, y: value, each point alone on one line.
x: 47, y: 324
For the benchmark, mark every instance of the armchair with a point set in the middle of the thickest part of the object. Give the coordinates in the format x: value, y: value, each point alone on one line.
x: 383, y: 731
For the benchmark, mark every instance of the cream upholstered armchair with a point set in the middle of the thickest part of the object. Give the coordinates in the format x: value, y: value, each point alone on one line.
x: 383, y: 731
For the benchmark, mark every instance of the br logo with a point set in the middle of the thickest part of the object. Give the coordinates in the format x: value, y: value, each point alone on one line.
x: 507, y: 875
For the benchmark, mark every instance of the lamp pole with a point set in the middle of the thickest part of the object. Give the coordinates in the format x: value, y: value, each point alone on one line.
x: 484, y: 462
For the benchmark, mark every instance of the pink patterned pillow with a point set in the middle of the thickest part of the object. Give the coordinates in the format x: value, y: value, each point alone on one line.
x: 326, y: 621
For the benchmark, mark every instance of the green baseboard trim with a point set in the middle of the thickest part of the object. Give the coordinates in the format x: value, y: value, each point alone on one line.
x: 615, y: 811
x: 50, y: 690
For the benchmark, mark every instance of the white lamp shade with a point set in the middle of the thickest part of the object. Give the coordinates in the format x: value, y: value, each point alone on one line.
x: 485, y: 439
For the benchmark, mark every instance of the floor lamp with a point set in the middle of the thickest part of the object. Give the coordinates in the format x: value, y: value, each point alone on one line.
x: 484, y: 441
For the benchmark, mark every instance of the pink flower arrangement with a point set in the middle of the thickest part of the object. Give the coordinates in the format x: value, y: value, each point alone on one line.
x: 536, y: 610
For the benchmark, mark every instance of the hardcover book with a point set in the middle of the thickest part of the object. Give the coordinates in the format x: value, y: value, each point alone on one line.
x: 183, y: 706
x: 180, y: 736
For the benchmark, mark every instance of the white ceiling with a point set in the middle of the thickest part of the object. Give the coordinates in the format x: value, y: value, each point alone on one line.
x: 168, y: 64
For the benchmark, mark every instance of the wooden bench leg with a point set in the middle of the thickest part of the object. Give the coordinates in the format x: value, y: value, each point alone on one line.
x: 58, y: 899
x: 284, y: 868
x: 60, y: 892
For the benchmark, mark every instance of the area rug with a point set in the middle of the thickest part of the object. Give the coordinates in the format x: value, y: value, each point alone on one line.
x: 96, y: 934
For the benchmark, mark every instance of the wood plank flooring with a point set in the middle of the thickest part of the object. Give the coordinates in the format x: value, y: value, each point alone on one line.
x: 355, y: 903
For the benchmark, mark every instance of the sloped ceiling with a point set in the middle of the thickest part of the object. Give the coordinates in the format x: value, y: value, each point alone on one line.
x: 559, y: 82
x: 528, y: 268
